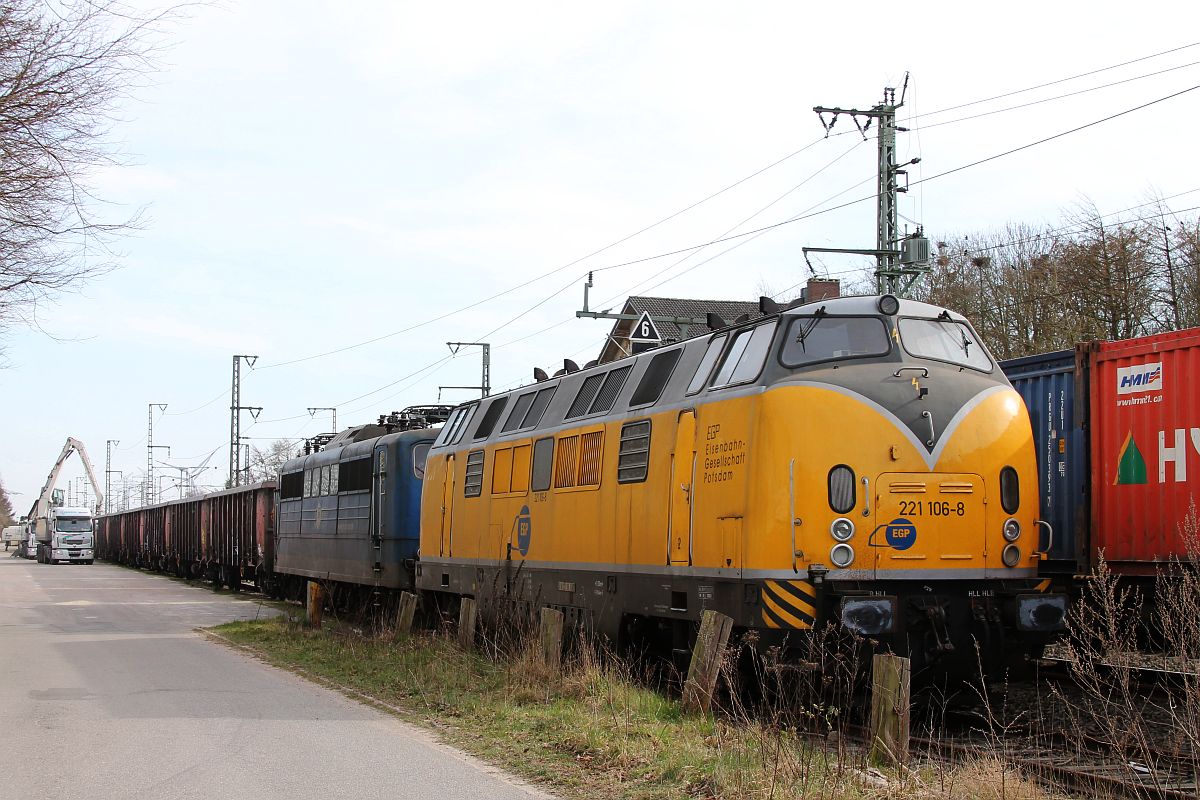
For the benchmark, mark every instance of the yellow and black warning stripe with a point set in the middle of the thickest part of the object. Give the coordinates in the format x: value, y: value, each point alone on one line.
x: 789, y: 604
x: 1043, y: 586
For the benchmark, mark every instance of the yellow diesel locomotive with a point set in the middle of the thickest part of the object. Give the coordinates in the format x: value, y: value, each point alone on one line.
x: 860, y: 461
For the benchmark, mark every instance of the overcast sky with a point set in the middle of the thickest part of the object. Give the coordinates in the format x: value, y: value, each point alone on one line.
x: 319, y: 175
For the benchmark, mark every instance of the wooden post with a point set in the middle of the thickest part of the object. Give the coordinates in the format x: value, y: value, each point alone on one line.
x: 890, y: 677
x: 404, y: 614
x: 706, y: 661
x: 316, y: 602
x: 552, y: 638
x: 466, y: 624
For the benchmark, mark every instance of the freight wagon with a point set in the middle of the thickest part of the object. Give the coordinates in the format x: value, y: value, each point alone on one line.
x: 1117, y: 431
x: 227, y: 537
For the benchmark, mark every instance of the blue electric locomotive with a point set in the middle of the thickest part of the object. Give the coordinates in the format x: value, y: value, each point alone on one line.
x: 349, y: 514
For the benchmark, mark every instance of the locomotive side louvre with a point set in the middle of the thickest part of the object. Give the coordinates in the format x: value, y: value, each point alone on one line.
x: 728, y: 503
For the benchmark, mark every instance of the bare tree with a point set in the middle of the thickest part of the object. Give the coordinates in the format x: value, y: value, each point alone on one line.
x: 7, y: 517
x: 64, y: 65
x: 266, y: 464
x: 1112, y: 273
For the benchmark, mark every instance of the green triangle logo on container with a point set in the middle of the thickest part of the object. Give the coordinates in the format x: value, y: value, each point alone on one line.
x: 1131, y: 467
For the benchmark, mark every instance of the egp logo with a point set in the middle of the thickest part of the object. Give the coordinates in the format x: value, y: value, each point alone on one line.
x: 901, y: 534
x: 1140, y: 378
x: 524, y: 530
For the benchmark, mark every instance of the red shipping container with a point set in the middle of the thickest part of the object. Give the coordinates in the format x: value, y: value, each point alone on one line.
x: 1145, y: 442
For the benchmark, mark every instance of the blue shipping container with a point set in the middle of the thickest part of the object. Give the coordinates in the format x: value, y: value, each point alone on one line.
x: 1055, y: 396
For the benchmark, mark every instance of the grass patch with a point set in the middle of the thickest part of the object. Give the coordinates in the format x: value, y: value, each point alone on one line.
x: 593, y: 731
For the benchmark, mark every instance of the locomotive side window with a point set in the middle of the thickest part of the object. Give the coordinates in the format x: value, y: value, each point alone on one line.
x: 609, y: 390
x: 490, y: 417
x: 420, y: 454
x: 473, y: 482
x: 333, y: 478
x: 822, y: 338
x: 291, y: 486
x: 308, y: 481
x: 944, y: 340
x: 543, y: 464
x: 633, y: 459
x: 706, y: 364
x: 654, y: 380
x: 355, y: 476
x: 324, y: 480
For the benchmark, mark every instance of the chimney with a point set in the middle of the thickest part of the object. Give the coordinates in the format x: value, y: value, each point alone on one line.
x: 822, y: 289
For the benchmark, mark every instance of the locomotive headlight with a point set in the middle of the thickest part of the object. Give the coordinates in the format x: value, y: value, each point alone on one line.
x: 1012, y: 530
x: 842, y: 529
x: 1011, y: 555
x: 888, y: 304
x: 842, y: 555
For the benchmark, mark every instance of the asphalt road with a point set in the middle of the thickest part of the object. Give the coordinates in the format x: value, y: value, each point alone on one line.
x: 106, y: 691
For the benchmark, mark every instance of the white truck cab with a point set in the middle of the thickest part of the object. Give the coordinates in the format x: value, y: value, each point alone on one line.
x: 71, y: 536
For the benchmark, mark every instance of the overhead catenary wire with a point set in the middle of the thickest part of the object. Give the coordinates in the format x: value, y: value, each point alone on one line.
x: 744, y: 234
x: 684, y: 210
x: 812, y: 214
x: 1062, y: 80
x: 549, y: 273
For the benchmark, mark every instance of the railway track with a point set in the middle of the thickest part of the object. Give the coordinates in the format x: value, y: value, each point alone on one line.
x: 1070, y: 767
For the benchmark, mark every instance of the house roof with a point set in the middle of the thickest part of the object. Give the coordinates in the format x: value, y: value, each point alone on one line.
x: 727, y: 310
x: 674, y: 307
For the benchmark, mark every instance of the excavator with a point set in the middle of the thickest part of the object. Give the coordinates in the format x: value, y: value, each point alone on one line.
x: 63, y: 533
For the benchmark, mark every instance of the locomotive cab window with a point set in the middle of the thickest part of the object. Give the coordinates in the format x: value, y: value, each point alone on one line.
x: 944, y: 340
x: 455, y: 426
x: 706, y: 364
x: 746, y: 355
x: 420, y: 454
x: 813, y: 338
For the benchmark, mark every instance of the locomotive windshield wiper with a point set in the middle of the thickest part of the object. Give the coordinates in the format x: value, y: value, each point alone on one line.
x: 805, y: 330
